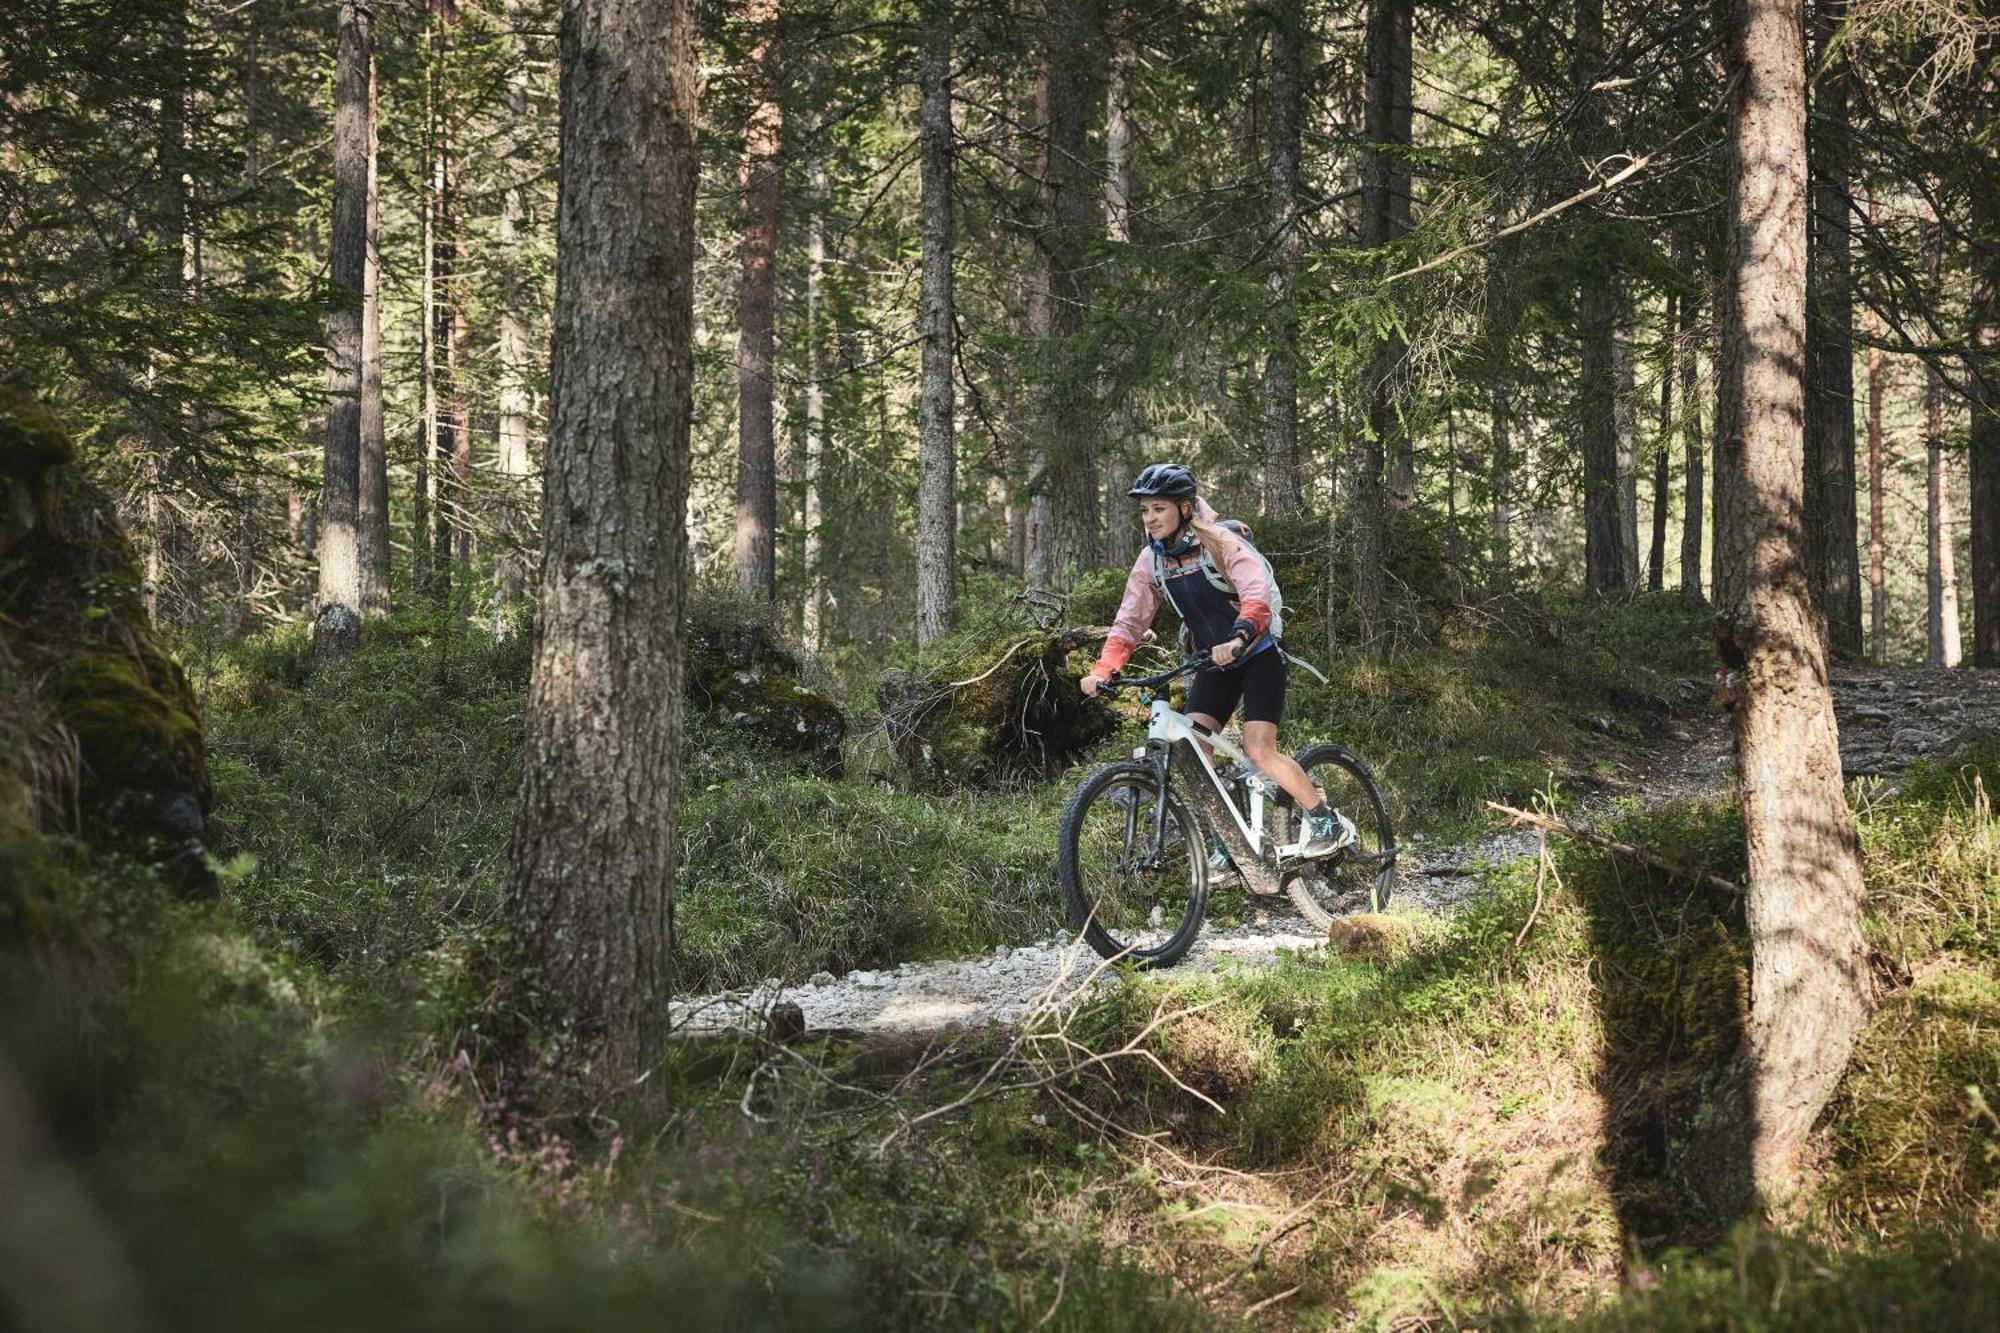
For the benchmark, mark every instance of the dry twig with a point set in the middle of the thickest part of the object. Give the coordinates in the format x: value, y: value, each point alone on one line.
x: 1551, y: 824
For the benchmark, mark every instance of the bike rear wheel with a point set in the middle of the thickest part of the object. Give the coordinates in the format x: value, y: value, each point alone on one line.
x: 1358, y: 879
x: 1129, y: 905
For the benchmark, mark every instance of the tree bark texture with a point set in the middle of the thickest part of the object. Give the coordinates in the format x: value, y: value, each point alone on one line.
x: 1940, y: 575
x: 756, y: 311
x: 593, y: 850
x: 337, y: 625
x: 1281, y: 394
x: 1691, y: 501
x: 1114, y: 464
x: 1878, y: 592
x: 511, y: 456
x: 1385, y: 216
x: 516, y: 359
x: 1983, y: 453
x: 812, y: 599
x: 1502, y: 318
x: 373, y: 506
x: 1066, y: 502
x: 1624, y: 413
x: 1604, y: 553
x: 449, y: 405
x: 937, y: 486
x: 1656, y: 561
x: 1984, y: 464
x: 1810, y: 992
x: 1603, y: 549
x: 1830, y: 474
x: 1500, y: 480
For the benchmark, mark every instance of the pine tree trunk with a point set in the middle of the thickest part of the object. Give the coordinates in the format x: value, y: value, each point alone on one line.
x: 1115, y: 467
x: 447, y: 400
x: 1064, y: 522
x: 337, y: 625
x: 1500, y: 482
x: 1604, y: 551
x: 1385, y: 215
x: 424, y: 491
x: 1940, y: 576
x: 1810, y: 988
x: 811, y: 622
x: 1721, y: 574
x: 1691, y: 505
x: 1984, y: 466
x: 1624, y: 414
x: 1983, y: 453
x: 756, y: 339
x: 1833, y: 553
x: 1656, y: 562
x: 1878, y: 593
x: 516, y: 359
x: 591, y: 891
x: 373, y: 508
x: 936, y: 460
x: 1281, y: 397
x: 1502, y: 312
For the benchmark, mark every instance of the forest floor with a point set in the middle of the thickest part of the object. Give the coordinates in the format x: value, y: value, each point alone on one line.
x: 1887, y: 719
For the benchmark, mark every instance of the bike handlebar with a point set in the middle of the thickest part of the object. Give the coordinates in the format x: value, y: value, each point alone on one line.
x: 1186, y: 668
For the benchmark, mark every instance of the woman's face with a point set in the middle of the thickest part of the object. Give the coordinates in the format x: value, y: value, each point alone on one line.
x: 1162, y: 518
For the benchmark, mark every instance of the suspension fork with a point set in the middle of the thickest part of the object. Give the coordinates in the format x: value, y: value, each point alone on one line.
x: 1163, y: 770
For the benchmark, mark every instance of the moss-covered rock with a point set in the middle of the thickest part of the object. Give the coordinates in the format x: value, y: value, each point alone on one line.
x: 739, y: 672
x: 1002, y: 709
x: 72, y: 601
x: 32, y: 442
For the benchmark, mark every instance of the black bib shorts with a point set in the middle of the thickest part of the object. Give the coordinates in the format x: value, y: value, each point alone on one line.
x: 1259, y: 686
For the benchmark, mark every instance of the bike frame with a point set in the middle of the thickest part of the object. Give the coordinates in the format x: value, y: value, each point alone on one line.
x: 1168, y: 731
x: 1262, y: 865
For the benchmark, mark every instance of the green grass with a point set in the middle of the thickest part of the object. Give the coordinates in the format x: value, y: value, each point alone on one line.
x: 375, y: 798
x: 292, y: 1116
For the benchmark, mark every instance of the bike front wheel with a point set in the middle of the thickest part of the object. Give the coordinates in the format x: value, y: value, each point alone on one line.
x: 1359, y: 878
x: 1135, y: 890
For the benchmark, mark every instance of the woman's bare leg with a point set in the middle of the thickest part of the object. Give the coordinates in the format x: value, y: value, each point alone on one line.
x: 1260, y: 742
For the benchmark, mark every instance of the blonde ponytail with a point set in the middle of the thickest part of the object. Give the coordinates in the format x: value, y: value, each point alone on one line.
x: 1219, y: 541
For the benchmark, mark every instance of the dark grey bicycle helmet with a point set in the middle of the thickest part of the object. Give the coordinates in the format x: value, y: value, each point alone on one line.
x: 1167, y: 481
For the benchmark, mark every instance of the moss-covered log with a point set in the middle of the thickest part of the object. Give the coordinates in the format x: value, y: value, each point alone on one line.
x: 738, y: 671
x: 72, y: 607
x: 1009, y: 708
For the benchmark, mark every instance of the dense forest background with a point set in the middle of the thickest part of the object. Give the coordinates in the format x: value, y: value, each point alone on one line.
x: 525, y: 526
x: 1258, y: 259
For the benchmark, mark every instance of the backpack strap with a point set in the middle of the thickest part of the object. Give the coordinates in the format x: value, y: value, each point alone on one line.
x: 1158, y: 567
x: 1218, y: 577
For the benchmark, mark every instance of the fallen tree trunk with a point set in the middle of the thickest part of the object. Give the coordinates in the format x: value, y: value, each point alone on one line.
x: 1009, y: 709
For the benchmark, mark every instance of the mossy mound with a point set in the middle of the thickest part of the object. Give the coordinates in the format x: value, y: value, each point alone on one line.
x: 1007, y: 708
x: 739, y: 671
x: 73, y: 600
x: 32, y: 442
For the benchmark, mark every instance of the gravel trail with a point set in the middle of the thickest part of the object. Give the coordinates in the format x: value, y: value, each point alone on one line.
x: 1886, y: 717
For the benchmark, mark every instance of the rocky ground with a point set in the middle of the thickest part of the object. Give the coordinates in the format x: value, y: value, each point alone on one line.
x: 1887, y: 718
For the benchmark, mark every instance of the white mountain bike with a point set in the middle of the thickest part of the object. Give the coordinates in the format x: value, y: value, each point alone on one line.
x: 1133, y: 852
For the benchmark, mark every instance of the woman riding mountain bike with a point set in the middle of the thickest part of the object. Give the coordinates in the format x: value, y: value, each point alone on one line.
x: 1247, y: 665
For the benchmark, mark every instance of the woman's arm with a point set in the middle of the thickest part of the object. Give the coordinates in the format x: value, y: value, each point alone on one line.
x: 1134, y: 618
x: 1253, y: 589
